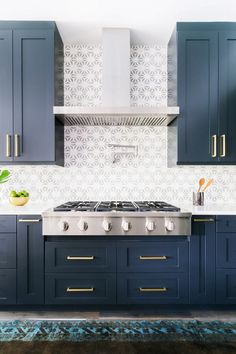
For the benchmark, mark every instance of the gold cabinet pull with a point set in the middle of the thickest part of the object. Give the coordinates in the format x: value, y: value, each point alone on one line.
x: 29, y: 220
x: 79, y: 290
x: 158, y: 290
x: 213, y: 146
x: 80, y: 258
x: 17, y: 145
x: 8, y: 145
x: 222, y: 145
x: 152, y: 258
x: 203, y: 220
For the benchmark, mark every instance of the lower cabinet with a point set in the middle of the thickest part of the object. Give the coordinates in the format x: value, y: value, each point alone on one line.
x: 7, y: 260
x: 86, y: 288
x: 7, y: 286
x: 202, y: 260
x: 200, y: 269
x: 161, y: 288
x: 226, y: 286
x: 30, y: 260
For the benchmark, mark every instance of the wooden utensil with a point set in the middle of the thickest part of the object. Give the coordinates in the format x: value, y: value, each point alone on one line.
x: 208, y: 184
x: 201, y: 182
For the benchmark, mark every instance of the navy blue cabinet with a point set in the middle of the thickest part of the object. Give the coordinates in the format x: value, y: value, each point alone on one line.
x: 202, y: 81
x: 31, y: 83
x: 85, y: 288
x: 6, y: 95
x: 227, y: 96
x: 202, y: 260
x: 7, y: 259
x: 226, y: 260
x: 30, y: 260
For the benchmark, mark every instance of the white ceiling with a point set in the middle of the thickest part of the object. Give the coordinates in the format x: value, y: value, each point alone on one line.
x: 151, y: 21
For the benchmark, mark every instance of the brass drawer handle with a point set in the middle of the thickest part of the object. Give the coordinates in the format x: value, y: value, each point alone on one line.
x: 80, y: 258
x: 8, y: 145
x: 158, y: 290
x: 79, y: 290
x: 17, y: 145
x: 222, y: 145
x: 155, y: 258
x: 213, y: 146
x: 203, y: 220
x: 29, y: 220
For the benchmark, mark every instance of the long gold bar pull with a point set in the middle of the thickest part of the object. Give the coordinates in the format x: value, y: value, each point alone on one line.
x: 203, y: 220
x: 152, y: 258
x: 222, y: 145
x: 29, y: 220
x: 8, y: 145
x: 213, y: 146
x: 17, y: 145
x: 159, y: 290
x: 80, y: 258
x: 79, y: 290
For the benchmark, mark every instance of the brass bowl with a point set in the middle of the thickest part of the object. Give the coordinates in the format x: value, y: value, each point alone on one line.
x: 18, y: 201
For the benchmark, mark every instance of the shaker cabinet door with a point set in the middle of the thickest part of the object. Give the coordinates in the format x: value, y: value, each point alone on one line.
x: 6, y: 95
x: 33, y: 60
x: 227, y: 97
x: 30, y: 260
x: 197, y: 96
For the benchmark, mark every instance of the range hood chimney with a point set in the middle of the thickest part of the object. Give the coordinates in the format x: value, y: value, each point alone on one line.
x: 116, y: 67
x: 115, y: 108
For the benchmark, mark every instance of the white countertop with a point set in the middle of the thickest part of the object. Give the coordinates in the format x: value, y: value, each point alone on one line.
x: 210, y: 209
x: 33, y: 208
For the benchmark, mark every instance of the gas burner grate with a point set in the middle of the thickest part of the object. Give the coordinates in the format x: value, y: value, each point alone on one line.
x: 155, y: 206
x: 77, y: 206
x: 116, y: 206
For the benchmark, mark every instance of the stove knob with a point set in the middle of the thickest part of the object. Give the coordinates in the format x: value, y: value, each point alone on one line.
x: 82, y: 225
x: 106, y: 225
x: 63, y: 225
x: 169, y: 225
x: 126, y: 226
x: 150, y: 226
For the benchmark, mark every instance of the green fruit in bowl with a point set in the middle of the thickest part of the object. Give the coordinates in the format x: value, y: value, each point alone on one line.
x: 13, y: 194
x: 19, y: 198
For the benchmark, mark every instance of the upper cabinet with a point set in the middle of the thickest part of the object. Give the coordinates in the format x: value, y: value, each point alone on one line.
x: 202, y: 81
x: 31, y: 72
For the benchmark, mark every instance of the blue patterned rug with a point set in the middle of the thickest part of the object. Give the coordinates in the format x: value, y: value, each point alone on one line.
x: 118, y: 331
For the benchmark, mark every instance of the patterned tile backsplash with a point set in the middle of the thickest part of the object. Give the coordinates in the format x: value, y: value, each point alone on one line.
x: 90, y: 172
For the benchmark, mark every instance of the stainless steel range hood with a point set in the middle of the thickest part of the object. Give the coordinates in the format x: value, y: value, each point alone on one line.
x: 115, y: 108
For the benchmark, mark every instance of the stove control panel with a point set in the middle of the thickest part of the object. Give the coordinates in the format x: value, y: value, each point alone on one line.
x: 103, y: 225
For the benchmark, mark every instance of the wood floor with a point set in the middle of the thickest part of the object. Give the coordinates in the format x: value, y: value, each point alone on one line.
x: 150, y: 313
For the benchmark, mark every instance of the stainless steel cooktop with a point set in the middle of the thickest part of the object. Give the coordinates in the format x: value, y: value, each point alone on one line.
x: 116, y: 218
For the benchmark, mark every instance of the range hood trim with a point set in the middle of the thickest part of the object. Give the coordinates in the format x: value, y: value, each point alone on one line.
x: 132, y: 116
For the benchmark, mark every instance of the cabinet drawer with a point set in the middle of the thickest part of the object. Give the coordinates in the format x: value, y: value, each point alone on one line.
x: 153, y: 256
x: 7, y: 286
x: 226, y: 250
x: 160, y: 288
x: 226, y: 286
x: 86, y: 288
x: 80, y: 256
x: 226, y: 224
x: 7, y: 250
x: 7, y: 223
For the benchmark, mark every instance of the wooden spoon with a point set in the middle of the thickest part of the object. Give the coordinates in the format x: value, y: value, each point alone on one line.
x: 201, y: 182
x: 208, y: 184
